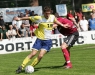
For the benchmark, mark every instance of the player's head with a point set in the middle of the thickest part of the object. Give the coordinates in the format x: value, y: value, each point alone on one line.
x: 47, y: 12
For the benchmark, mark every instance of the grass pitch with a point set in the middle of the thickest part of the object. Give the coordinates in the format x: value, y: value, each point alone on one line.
x: 82, y: 58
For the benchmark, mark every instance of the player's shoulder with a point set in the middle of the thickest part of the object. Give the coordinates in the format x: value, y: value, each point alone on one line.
x: 52, y: 15
x: 61, y: 18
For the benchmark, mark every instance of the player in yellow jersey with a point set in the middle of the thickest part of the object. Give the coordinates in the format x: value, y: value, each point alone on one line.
x: 43, y: 32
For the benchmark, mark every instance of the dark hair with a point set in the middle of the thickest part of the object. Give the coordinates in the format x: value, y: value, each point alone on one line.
x: 46, y: 8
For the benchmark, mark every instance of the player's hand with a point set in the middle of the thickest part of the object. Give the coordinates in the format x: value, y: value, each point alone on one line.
x: 55, y: 25
x: 73, y: 19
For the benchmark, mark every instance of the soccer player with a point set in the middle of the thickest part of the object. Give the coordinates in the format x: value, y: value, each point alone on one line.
x: 43, y: 32
x: 72, y: 36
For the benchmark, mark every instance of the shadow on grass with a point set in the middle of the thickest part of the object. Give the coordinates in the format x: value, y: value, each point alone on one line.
x: 50, y: 67
x: 46, y: 67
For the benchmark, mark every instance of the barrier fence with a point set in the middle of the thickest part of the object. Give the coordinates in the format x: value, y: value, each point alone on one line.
x: 25, y: 44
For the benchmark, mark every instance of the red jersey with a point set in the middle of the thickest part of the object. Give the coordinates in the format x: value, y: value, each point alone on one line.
x: 69, y: 15
x: 66, y: 31
x: 79, y: 15
x: 33, y: 28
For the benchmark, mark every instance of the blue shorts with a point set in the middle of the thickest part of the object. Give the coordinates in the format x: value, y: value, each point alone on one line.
x: 42, y: 44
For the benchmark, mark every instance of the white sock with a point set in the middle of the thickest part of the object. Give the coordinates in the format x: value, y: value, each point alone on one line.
x: 68, y: 61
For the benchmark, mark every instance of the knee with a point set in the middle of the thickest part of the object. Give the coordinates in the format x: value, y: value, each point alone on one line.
x: 41, y: 56
x: 31, y: 55
x: 63, y: 46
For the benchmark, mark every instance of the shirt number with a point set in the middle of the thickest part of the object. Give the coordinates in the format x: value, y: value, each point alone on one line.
x: 50, y: 25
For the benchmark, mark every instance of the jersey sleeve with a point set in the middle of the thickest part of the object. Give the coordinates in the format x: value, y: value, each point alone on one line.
x: 35, y: 18
x: 54, y: 18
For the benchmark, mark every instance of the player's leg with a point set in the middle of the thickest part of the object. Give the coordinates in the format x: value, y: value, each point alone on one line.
x: 68, y: 48
x: 30, y: 56
x: 26, y: 60
x: 69, y: 42
x: 35, y: 49
x: 46, y: 45
x: 65, y: 53
x: 40, y: 56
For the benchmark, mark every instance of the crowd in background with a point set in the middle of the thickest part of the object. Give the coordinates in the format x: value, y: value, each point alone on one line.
x: 82, y: 23
x: 18, y: 29
x: 26, y: 28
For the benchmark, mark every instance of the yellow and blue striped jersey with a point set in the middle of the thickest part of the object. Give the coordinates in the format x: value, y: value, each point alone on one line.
x: 45, y: 26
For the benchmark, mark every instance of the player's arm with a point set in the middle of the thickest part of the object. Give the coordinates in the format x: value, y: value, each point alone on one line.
x: 54, y: 26
x: 32, y: 18
x: 75, y: 23
x: 80, y: 27
x: 23, y: 18
x: 58, y: 23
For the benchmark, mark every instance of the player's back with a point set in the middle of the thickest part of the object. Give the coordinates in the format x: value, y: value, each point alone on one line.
x: 66, y: 31
x: 65, y: 21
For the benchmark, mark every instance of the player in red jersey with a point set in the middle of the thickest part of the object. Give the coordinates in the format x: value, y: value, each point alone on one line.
x: 72, y: 36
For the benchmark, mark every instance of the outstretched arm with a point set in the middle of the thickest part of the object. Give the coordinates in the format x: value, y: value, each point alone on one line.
x: 23, y: 18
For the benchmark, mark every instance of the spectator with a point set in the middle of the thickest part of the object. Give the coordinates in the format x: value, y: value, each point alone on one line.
x: 79, y: 14
x: 92, y: 22
x: 77, y: 20
x: 26, y: 11
x: 31, y: 13
x: 83, y: 24
x: 26, y: 23
x: 4, y: 33
x: 35, y: 14
x: 33, y: 27
x: 1, y: 21
x: 0, y: 34
x: 1, y: 25
x: 71, y: 17
x: 23, y: 32
x: 93, y: 12
x: 76, y: 17
x: 21, y: 15
x: 19, y: 23
x: 14, y: 22
x: 11, y: 32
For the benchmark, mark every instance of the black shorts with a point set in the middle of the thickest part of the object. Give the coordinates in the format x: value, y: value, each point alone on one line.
x: 71, y: 39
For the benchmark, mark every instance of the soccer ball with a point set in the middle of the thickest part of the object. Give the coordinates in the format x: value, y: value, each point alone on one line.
x: 29, y: 69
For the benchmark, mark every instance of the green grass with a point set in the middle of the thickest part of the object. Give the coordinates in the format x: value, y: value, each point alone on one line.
x: 82, y: 57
